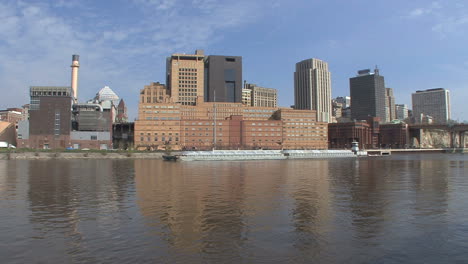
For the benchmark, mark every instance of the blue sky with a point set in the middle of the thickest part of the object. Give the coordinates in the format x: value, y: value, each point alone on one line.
x: 123, y: 43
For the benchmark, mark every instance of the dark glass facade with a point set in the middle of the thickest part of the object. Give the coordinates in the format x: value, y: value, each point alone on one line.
x: 223, y: 79
x: 367, y: 96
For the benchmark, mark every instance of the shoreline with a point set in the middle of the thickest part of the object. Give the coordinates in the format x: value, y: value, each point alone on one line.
x: 78, y: 155
x: 45, y: 155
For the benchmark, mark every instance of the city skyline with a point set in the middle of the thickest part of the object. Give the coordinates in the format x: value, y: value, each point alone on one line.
x: 128, y: 53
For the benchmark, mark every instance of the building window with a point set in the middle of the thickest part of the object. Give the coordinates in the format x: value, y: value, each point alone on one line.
x: 93, y: 137
x: 57, y: 122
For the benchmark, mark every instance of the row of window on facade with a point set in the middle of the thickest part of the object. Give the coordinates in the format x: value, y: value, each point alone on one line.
x: 300, y: 137
x: 188, y: 94
x: 187, y: 78
x: 187, y: 70
x: 162, y: 134
x: 219, y: 129
x: 258, y: 111
x: 206, y: 124
x: 191, y: 99
x: 153, y: 93
x: 155, y: 100
x: 266, y: 135
x: 305, y: 139
x: 266, y: 124
x: 192, y: 82
x: 160, y: 106
x: 162, y: 112
x: 49, y: 93
x: 162, y: 118
x: 187, y: 86
x: 317, y: 128
x: 35, y: 102
x: 266, y: 129
x: 306, y: 135
x: 201, y: 134
x: 299, y: 124
x: 163, y: 139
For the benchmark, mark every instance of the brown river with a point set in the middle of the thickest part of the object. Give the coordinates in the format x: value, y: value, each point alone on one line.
x: 398, y: 209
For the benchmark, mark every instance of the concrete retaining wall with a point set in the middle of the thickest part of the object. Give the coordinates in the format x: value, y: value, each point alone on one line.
x: 68, y: 155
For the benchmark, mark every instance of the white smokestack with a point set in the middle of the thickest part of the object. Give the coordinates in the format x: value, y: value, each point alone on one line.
x: 74, y: 80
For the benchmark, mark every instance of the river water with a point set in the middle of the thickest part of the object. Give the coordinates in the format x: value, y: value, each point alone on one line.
x: 398, y: 209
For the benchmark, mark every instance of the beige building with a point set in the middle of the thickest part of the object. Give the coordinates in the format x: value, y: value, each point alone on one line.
x: 13, y: 115
x: 185, y: 77
x: 155, y: 93
x: 247, y: 97
x: 337, y: 110
x: 261, y: 96
x: 8, y: 133
x: 390, y: 110
x: 312, y: 88
x: 434, y: 103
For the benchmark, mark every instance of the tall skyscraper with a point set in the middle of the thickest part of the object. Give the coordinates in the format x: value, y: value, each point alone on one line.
x: 185, y: 77
x: 390, y: 112
x: 223, y: 79
x: 312, y: 88
x: 367, y: 95
x: 431, y: 102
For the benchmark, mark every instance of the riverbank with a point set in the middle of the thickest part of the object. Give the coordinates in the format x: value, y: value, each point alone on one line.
x: 79, y: 155
x: 49, y: 154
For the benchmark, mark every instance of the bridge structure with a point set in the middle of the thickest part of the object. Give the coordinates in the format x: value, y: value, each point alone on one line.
x: 457, y: 132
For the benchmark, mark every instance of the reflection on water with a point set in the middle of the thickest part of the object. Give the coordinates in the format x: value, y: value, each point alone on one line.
x: 393, y: 209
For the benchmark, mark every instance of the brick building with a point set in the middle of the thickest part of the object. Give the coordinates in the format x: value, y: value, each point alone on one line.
x: 301, y: 129
x: 164, y: 124
x: 369, y: 134
x: 49, y: 117
x: 394, y: 135
x: 340, y: 135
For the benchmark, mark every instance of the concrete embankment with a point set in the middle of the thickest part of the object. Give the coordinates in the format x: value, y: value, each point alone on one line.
x: 78, y: 155
x: 433, y: 150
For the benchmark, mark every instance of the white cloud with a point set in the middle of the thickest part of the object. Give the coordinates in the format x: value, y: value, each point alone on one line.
x: 417, y: 12
x: 158, y: 4
x: 37, y: 41
x: 67, y: 3
x: 444, y: 19
x: 451, y: 25
x: 422, y: 11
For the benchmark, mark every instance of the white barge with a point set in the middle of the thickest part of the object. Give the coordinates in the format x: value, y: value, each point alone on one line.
x: 231, y: 155
x: 262, y: 155
x: 319, y: 154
